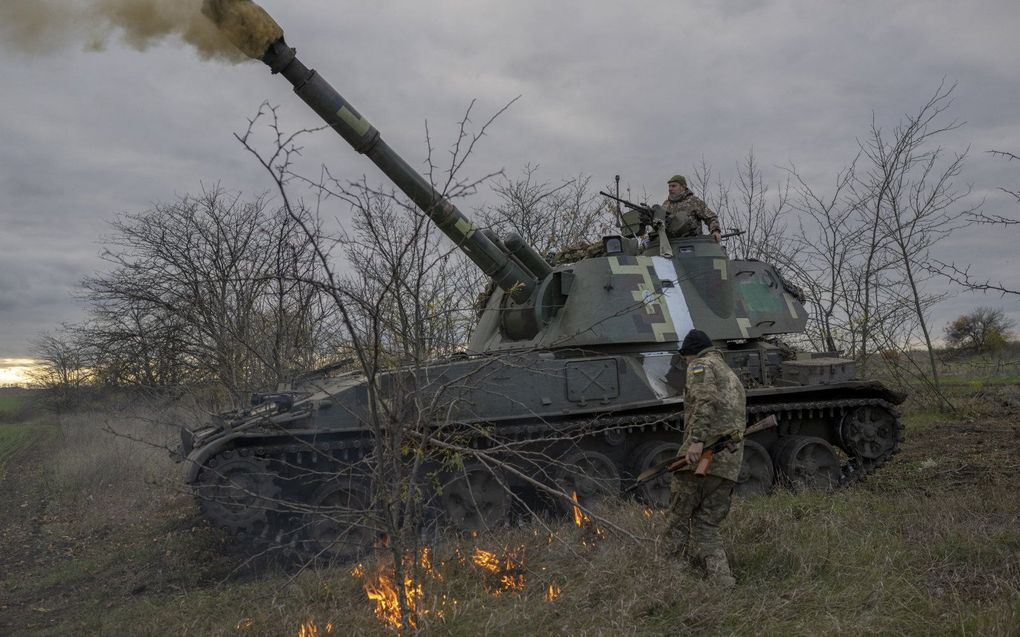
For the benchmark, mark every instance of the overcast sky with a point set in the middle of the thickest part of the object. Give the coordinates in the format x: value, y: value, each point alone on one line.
x: 641, y: 89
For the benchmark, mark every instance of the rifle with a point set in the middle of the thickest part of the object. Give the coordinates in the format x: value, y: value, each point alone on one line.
x: 725, y: 442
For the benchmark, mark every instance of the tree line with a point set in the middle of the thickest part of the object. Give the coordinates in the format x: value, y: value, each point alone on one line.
x: 238, y: 294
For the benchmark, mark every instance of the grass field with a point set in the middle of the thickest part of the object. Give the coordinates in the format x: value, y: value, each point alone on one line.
x: 16, y: 435
x: 100, y: 540
x: 14, y: 438
x: 10, y: 402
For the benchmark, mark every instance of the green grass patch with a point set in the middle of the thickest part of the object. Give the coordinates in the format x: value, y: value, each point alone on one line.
x: 978, y: 382
x: 11, y: 402
x: 17, y: 437
x: 915, y: 420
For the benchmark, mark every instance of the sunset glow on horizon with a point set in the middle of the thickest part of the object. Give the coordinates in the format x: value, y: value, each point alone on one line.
x: 15, y: 371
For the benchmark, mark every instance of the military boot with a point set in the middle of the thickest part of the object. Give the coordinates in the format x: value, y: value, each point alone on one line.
x: 717, y: 569
x: 676, y: 545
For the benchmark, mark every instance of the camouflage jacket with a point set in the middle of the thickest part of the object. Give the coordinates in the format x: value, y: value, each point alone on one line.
x: 714, y: 403
x: 686, y: 215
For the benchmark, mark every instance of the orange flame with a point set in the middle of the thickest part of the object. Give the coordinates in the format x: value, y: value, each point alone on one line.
x: 425, y: 561
x: 384, y: 592
x: 582, y: 521
x: 382, y: 588
x: 552, y: 592
x: 311, y: 629
x: 506, y: 572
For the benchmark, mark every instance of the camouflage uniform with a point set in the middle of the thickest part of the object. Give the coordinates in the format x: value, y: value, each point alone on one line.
x: 714, y: 404
x: 686, y: 214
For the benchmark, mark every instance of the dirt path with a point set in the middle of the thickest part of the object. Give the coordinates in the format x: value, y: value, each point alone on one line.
x: 24, y: 490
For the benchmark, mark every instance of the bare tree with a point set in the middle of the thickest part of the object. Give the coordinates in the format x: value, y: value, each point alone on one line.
x: 760, y: 216
x: 212, y: 286
x: 962, y: 274
x: 910, y: 191
x: 401, y: 290
x: 821, y: 258
x: 863, y: 252
x: 548, y: 216
x: 63, y: 366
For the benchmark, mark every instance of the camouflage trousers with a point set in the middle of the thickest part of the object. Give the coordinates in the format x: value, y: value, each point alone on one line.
x: 697, y: 507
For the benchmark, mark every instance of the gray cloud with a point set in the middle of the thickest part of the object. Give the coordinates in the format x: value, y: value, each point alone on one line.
x: 642, y: 90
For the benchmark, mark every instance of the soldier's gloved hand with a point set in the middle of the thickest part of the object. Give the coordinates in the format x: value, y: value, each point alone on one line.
x: 694, y: 452
x: 717, y: 235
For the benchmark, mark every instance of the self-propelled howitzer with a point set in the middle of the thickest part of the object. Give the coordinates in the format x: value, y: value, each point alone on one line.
x: 574, y: 366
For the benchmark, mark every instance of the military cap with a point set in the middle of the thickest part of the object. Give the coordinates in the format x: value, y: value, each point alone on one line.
x: 678, y: 179
x: 694, y: 342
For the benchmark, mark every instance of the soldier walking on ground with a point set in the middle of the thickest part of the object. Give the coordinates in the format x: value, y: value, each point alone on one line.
x: 687, y: 212
x: 714, y: 404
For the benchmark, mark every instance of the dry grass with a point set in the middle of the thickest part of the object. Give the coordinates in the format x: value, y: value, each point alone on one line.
x: 855, y: 563
x: 929, y: 545
x: 115, y: 464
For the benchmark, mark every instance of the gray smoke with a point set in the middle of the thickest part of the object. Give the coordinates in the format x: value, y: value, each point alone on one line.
x: 40, y: 27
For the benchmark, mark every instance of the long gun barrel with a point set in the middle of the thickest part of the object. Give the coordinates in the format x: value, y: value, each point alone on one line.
x: 254, y: 32
x: 508, y: 273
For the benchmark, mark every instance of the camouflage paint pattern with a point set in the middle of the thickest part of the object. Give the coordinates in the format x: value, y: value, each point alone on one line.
x: 651, y: 300
x: 697, y: 507
x: 714, y: 404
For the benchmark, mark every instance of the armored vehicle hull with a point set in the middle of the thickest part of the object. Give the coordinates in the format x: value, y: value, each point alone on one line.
x: 575, y: 367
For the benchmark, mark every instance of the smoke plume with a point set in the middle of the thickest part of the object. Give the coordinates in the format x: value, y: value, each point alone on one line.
x: 39, y: 27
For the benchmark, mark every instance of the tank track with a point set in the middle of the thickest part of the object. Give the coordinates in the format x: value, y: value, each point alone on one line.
x: 278, y: 527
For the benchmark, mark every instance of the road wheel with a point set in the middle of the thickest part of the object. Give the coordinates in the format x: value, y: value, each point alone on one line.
x: 474, y: 500
x: 338, y: 524
x: 590, y: 474
x: 237, y: 490
x: 654, y: 492
x: 756, y: 471
x: 804, y: 462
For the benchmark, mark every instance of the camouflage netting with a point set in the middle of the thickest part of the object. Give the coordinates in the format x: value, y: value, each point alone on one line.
x: 578, y: 251
x: 570, y: 254
x: 483, y: 298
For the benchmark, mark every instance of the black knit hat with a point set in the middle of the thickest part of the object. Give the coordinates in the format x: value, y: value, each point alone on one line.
x: 694, y: 342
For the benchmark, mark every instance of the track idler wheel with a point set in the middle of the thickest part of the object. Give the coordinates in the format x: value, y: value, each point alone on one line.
x: 655, y: 492
x: 590, y: 474
x: 237, y: 490
x: 805, y: 462
x: 338, y: 525
x: 756, y: 472
x: 474, y: 500
x: 869, y: 433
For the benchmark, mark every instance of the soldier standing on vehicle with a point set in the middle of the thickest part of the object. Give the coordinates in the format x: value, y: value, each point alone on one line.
x: 714, y: 404
x: 687, y: 212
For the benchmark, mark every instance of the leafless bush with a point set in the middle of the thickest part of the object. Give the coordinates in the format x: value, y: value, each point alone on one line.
x: 405, y: 301
x: 548, y: 216
x: 205, y: 288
